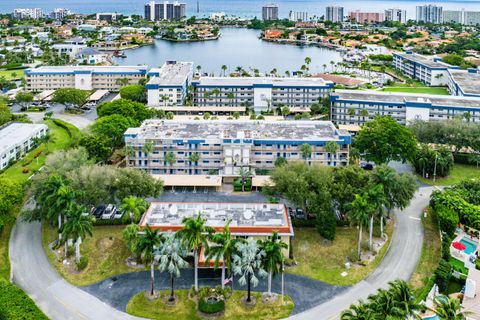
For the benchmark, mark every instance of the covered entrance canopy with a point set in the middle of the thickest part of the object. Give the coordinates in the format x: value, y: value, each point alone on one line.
x: 194, y: 181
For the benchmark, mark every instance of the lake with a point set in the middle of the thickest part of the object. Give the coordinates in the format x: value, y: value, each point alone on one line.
x: 236, y: 47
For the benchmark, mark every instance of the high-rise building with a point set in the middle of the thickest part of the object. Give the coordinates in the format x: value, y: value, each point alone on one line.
x: 334, y: 14
x: 430, y: 13
x: 165, y: 11
x: 366, y: 17
x: 298, y: 16
x: 270, y: 12
x: 60, y: 13
x: 396, y: 14
x: 471, y: 18
x: 108, y: 16
x: 28, y: 13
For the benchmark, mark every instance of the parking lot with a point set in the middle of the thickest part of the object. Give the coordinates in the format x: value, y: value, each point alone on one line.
x: 206, y: 195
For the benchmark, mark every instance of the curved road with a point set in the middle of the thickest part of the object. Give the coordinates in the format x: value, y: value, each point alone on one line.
x: 32, y: 271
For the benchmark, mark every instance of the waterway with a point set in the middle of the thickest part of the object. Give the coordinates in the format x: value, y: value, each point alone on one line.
x: 235, y: 47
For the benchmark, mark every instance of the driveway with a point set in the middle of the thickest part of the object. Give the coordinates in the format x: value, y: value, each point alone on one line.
x: 399, y: 262
x: 117, y: 291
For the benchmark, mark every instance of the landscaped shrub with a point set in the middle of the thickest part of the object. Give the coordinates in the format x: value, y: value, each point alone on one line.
x: 15, y: 304
x: 447, y: 219
x: 211, y: 307
x: 326, y: 225
x: 83, y: 263
x: 446, y: 243
x: 442, y: 275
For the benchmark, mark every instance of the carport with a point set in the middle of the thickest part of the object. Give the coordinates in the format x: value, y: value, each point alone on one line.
x: 261, y: 181
x: 185, y: 182
x: 42, y: 96
x: 97, y: 96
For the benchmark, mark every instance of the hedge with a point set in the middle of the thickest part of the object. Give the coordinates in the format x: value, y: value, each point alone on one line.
x: 72, y: 131
x: 211, y: 308
x: 16, y: 304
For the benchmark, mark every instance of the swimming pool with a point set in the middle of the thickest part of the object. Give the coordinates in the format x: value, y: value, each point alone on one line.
x: 435, y: 317
x: 470, y: 245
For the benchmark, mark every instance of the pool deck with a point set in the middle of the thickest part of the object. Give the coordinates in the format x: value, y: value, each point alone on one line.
x: 460, y: 254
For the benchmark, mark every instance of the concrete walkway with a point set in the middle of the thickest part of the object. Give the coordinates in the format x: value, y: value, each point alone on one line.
x: 399, y: 262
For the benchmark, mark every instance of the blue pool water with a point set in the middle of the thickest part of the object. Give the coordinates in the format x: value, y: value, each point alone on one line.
x: 435, y: 317
x: 470, y: 246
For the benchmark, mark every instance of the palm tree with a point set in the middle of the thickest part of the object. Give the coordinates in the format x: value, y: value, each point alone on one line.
x: 60, y: 203
x: 131, y: 236
x: 244, y: 175
x: 230, y: 96
x: 360, y: 209
x: 78, y: 226
x: 147, y: 148
x: 359, y: 311
x: 170, y: 159
x: 128, y: 151
x: 134, y: 206
x: 332, y: 148
x: 377, y: 200
x: 385, y: 176
x: 247, y: 262
x: 404, y: 302
x: 449, y: 308
x: 223, y: 250
x: 308, y: 60
x: 324, y: 66
x: 165, y: 98
x: 351, y: 112
x: 287, y: 73
x: 193, y: 158
x: 224, y: 69
x: 194, y: 235
x: 149, y: 241
x: 46, y: 139
x: 306, y: 151
x: 170, y: 259
x: 216, y: 92
x: 274, y: 258
x: 199, y: 67
x: 285, y: 111
x: 122, y: 81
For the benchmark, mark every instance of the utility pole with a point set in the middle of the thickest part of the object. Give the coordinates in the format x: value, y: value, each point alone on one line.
x: 435, y: 167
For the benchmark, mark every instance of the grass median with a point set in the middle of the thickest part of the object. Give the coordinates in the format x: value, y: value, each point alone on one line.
x: 458, y: 173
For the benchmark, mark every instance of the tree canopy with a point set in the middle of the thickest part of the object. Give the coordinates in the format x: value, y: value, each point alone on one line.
x: 72, y: 96
x: 113, y: 127
x: 135, y: 92
x: 5, y: 113
x: 127, y: 108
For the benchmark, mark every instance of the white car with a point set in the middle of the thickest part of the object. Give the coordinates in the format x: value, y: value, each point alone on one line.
x: 109, y: 212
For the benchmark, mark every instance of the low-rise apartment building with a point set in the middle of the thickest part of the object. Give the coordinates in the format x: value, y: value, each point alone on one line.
x: 261, y: 93
x: 16, y: 139
x: 353, y: 107
x: 226, y: 148
x: 168, y: 85
x: 82, y: 77
x: 432, y: 72
x: 464, y: 82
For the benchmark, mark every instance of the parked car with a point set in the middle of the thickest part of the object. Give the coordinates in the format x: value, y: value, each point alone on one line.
x: 299, y: 214
x: 119, y: 214
x: 97, y: 213
x: 366, y: 166
x: 109, y: 212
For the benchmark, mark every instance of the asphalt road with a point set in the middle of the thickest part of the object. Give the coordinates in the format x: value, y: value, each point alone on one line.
x: 399, y: 262
x: 32, y: 271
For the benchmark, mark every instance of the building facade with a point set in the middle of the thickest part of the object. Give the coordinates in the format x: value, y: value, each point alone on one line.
x: 225, y: 148
x: 60, y: 13
x: 27, y: 13
x: 169, y: 84
x: 470, y: 18
x: 298, y: 16
x: 260, y: 93
x: 170, y: 11
x: 349, y: 107
x: 464, y: 83
x: 396, y: 14
x: 334, y: 14
x: 270, y: 12
x: 108, y: 16
x: 429, y: 14
x: 82, y: 77
x: 16, y: 139
x: 68, y: 49
x: 366, y: 17
x: 432, y: 72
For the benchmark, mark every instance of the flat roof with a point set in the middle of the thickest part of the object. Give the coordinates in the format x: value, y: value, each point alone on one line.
x: 171, y: 73
x: 16, y: 133
x: 44, y: 94
x: 93, y: 69
x: 270, y: 81
x: 97, y: 95
x: 216, y: 130
x: 422, y: 60
x: 179, y: 180
x: 401, y: 98
x: 245, y: 218
x: 261, y: 181
x: 468, y: 82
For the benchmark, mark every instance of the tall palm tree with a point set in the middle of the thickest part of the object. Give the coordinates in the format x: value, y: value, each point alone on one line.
x: 308, y: 60
x: 274, y: 258
x: 150, y: 240
x: 59, y: 203
x: 78, y: 226
x: 223, y: 250
x: 404, y: 302
x: 386, y: 177
x: 224, y: 69
x: 247, y: 263
x: 194, y: 236
x: 332, y: 148
x: 244, y: 175
x: 170, y: 159
x: 358, y: 311
x: 377, y: 200
x: 382, y: 304
x: 134, y: 206
x: 194, y: 157
x: 359, y: 211
x: 170, y: 259
x: 128, y: 151
x: 306, y: 151
x: 449, y: 308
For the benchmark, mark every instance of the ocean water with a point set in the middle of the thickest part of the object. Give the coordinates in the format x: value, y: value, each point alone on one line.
x: 243, y: 8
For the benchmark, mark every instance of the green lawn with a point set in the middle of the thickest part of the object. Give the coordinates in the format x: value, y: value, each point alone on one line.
x: 186, y: 309
x: 431, y: 253
x: 4, y: 261
x: 459, y: 173
x: 106, y: 253
x: 326, y: 262
x: 426, y: 90
x: 8, y: 74
x: 62, y: 139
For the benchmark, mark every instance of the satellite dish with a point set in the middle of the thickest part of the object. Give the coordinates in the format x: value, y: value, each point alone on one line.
x: 248, y: 214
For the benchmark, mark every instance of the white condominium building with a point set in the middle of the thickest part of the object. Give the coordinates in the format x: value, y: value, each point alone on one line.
x: 464, y: 82
x: 224, y: 148
x: 168, y: 85
x: 16, y: 139
x: 261, y: 93
x: 334, y: 14
x: 430, y: 14
x: 297, y: 16
x: 270, y: 12
x: 109, y: 78
x: 430, y: 71
x: 470, y: 18
x: 396, y: 14
x: 28, y: 13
